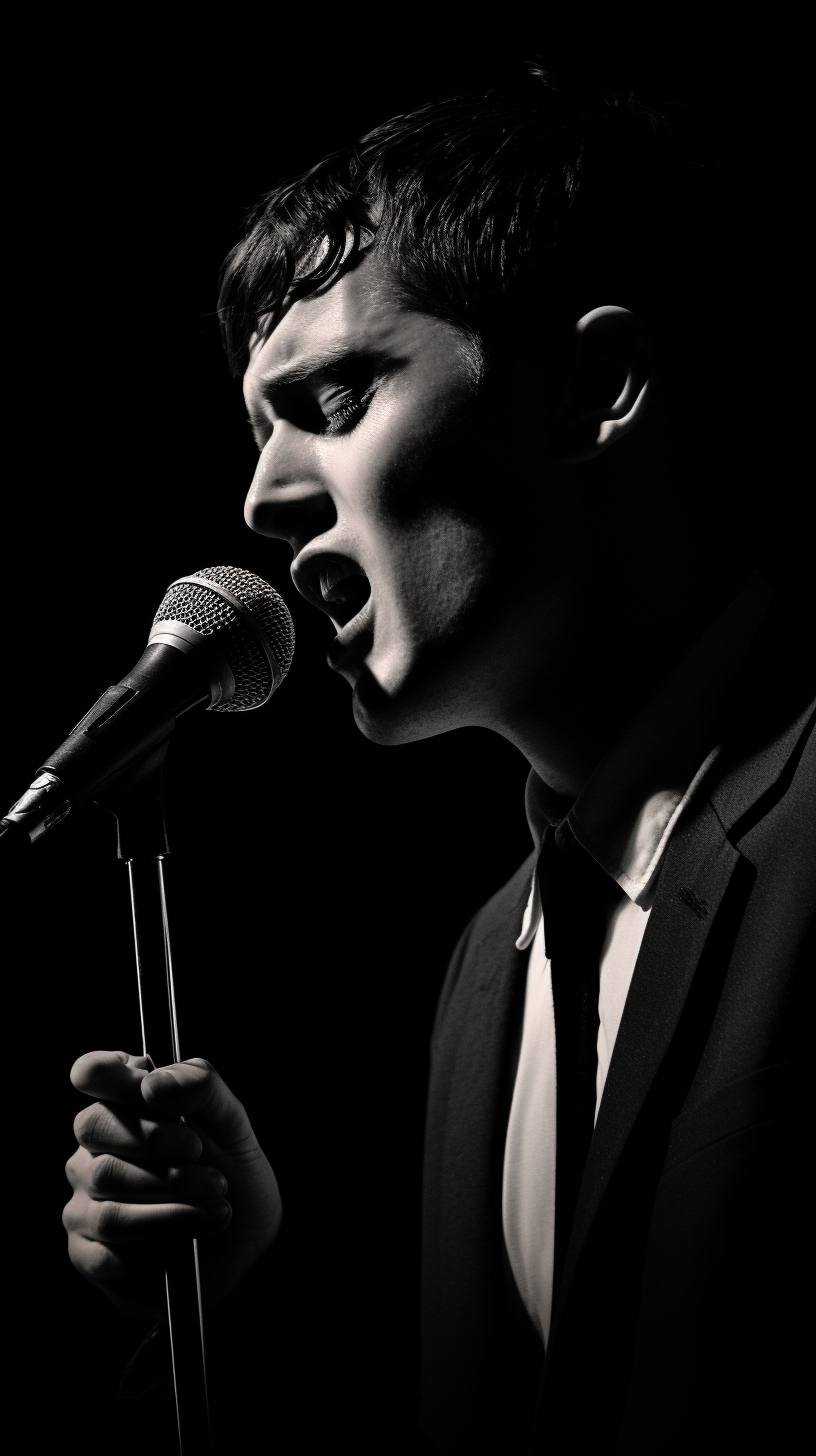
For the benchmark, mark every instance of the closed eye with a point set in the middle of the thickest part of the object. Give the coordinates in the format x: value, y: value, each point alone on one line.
x: 320, y: 400
x: 346, y: 411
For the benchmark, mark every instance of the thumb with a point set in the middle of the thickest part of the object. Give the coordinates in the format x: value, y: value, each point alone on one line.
x: 110, y: 1076
x: 194, y: 1089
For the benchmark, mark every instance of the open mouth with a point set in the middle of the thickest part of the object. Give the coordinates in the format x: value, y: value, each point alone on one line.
x: 335, y: 584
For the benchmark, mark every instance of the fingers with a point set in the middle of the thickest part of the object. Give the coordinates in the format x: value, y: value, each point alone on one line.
x: 105, y: 1177
x: 186, y: 1089
x: 111, y: 1076
x: 122, y: 1133
x: 194, y: 1089
x: 142, y: 1177
x: 111, y: 1264
x: 123, y: 1218
x: 109, y: 1222
x: 124, y: 1250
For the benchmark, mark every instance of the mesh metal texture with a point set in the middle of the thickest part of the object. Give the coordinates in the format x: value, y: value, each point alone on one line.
x: 212, y: 616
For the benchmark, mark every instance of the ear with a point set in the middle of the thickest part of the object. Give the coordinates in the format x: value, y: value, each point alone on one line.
x: 608, y: 385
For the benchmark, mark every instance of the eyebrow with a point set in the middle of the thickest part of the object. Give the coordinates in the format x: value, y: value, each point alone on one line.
x: 303, y: 371
x: 310, y: 368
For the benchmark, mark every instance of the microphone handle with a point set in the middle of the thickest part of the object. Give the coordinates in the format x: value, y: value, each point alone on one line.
x: 160, y: 1041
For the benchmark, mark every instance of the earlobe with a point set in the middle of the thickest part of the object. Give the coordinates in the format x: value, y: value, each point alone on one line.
x: 610, y: 379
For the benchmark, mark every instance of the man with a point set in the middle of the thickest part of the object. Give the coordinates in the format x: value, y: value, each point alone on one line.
x: 474, y: 367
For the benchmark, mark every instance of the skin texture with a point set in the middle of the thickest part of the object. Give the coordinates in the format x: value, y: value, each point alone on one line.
x: 141, y: 1177
x: 517, y: 523
x: 502, y: 514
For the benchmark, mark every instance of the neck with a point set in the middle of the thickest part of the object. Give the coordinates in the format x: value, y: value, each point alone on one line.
x: 576, y: 704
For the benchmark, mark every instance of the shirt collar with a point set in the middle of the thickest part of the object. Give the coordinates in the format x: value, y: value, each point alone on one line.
x: 628, y: 808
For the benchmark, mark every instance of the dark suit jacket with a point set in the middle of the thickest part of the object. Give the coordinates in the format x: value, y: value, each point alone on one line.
x: 677, y: 1323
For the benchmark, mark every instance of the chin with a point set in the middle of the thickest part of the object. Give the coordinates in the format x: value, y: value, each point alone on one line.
x: 404, y: 716
x: 384, y: 725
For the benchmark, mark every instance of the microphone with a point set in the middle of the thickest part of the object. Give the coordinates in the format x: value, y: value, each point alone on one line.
x: 222, y: 640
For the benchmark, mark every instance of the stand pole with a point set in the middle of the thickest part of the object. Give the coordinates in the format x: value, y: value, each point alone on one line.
x: 143, y: 844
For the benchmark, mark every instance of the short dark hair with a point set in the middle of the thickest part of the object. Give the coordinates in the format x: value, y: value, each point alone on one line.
x: 483, y: 199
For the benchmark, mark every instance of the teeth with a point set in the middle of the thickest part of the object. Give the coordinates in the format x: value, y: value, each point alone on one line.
x: 331, y: 576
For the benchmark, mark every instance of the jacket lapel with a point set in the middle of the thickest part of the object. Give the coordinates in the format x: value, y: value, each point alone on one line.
x: 700, y: 862
x: 742, y: 796
x: 470, y: 1073
x: 465, y: 1329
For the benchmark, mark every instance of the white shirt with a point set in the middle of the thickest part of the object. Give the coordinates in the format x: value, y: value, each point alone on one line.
x: 624, y: 817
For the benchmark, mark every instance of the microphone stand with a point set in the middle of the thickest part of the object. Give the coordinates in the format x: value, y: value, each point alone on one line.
x: 136, y: 802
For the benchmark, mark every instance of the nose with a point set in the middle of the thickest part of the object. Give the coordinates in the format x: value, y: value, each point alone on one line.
x: 288, y: 499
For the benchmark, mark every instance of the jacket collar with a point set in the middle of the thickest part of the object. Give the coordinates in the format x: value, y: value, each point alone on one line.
x: 628, y: 809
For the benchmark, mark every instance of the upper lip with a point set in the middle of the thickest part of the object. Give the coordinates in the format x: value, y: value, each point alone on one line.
x: 323, y: 579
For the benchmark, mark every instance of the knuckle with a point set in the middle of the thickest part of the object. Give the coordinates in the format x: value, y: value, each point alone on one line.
x: 108, y: 1220
x: 96, y: 1261
x: 72, y: 1168
x: 69, y: 1217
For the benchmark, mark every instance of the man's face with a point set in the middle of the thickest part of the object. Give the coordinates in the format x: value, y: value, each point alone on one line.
x: 408, y: 493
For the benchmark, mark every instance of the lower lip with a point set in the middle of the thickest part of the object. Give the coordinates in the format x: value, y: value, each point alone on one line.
x: 356, y: 628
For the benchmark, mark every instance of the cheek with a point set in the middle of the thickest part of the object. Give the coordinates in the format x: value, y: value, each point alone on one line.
x: 413, y: 490
x: 416, y: 453
x: 431, y: 577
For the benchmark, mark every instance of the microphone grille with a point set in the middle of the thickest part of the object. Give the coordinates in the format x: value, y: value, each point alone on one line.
x: 246, y: 641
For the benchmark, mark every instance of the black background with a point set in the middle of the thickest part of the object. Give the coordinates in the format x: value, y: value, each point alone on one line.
x: 319, y: 883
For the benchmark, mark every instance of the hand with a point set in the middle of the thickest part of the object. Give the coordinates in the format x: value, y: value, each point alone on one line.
x: 141, y: 1178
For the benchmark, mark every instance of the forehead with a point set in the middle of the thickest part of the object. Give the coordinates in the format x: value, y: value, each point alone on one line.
x: 357, y: 314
